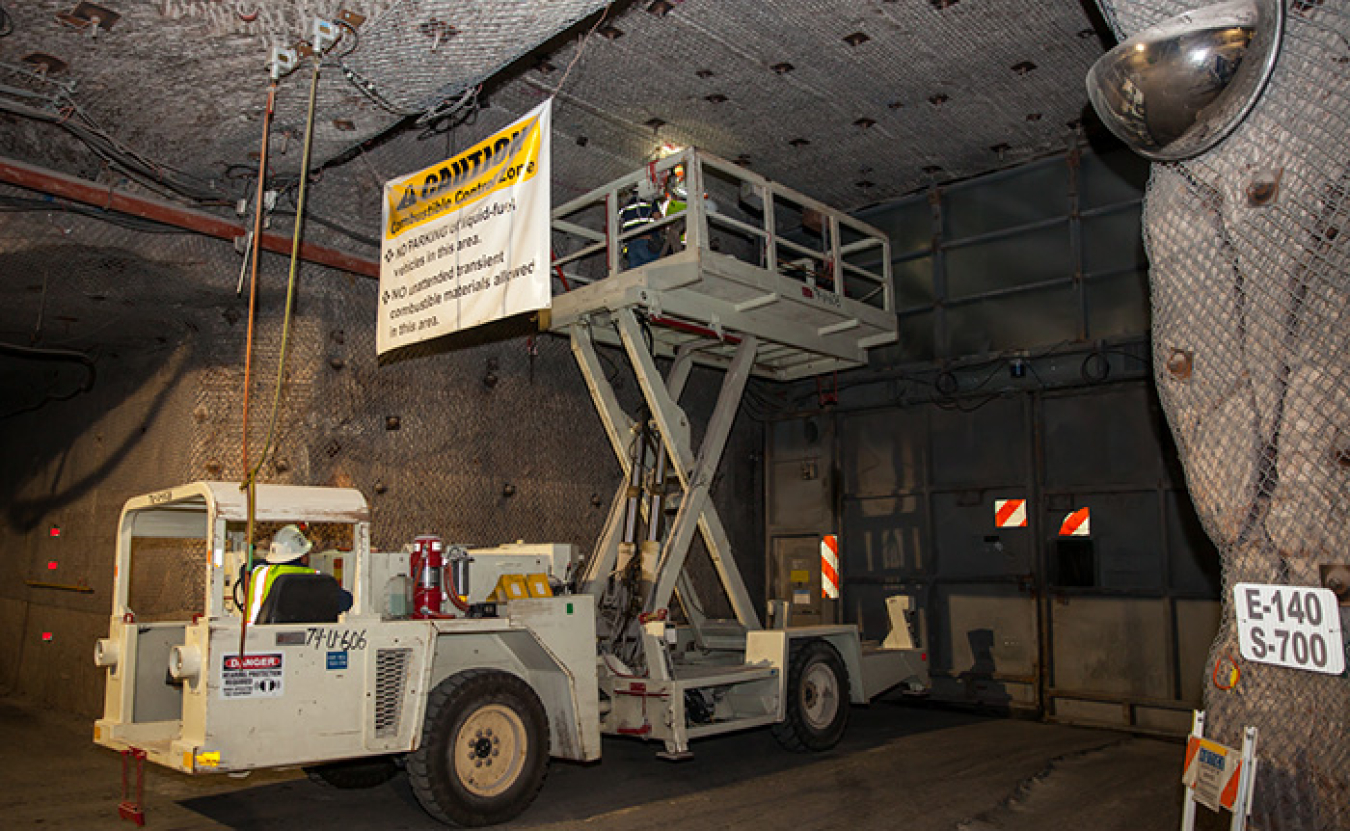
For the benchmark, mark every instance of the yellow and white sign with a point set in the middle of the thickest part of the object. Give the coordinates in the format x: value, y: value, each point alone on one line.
x: 466, y: 241
x: 1213, y: 772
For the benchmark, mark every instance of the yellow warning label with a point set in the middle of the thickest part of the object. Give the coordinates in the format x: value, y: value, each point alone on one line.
x: 498, y: 161
x: 800, y: 575
x: 538, y: 585
x: 209, y: 759
x: 511, y: 587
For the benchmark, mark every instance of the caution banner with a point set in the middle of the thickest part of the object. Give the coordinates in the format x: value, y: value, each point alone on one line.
x: 466, y: 241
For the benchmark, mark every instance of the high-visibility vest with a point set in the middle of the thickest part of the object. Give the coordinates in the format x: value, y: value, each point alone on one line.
x: 637, y: 213
x: 260, y: 583
x: 675, y: 203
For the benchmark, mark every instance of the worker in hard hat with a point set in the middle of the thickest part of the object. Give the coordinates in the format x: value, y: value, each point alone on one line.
x: 674, y: 201
x: 639, y: 249
x: 288, y: 554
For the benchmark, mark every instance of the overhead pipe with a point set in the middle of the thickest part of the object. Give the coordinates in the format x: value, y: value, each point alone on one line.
x: 108, y: 198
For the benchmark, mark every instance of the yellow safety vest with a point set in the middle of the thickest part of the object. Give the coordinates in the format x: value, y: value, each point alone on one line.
x: 260, y: 583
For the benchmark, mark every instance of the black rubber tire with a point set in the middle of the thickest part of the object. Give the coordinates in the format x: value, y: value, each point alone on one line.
x: 442, y: 780
x: 817, y: 699
x: 354, y: 774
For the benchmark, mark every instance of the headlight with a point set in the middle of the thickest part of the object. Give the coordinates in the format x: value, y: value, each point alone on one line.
x: 185, y: 663
x: 106, y: 653
x: 1175, y: 89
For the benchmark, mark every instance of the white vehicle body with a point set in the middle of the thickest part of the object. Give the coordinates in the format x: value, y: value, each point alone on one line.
x: 321, y: 691
x: 478, y: 703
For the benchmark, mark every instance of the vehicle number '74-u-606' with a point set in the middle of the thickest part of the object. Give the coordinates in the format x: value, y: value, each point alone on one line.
x: 336, y: 638
x: 1290, y: 626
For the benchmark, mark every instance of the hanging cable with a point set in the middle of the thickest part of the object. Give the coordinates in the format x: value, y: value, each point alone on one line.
x: 581, y: 46
x: 49, y: 354
x: 251, y: 476
x: 248, y: 338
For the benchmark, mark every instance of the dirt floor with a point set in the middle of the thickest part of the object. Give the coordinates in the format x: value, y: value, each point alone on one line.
x: 900, y: 766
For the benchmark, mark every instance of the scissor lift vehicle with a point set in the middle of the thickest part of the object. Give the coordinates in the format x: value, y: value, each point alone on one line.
x: 755, y: 280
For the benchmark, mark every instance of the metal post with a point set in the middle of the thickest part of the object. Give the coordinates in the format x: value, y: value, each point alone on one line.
x: 674, y: 427
x: 618, y: 425
x: 1242, y: 806
x: 694, y: 504
x: 696, y: 223
x: 1188, y: 801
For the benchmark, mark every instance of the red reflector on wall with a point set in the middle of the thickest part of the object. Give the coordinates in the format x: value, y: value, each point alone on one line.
x: 51, y: 565
x: 46, y: 636
x: 54, y: 531
x: 923, y: 657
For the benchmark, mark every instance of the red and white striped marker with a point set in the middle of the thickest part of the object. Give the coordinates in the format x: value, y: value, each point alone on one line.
x: 1076, y: 524
x: 1010, y: 513
x: 829, y: 567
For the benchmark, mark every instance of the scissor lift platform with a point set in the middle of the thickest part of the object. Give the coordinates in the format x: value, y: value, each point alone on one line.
x: 750, y: 257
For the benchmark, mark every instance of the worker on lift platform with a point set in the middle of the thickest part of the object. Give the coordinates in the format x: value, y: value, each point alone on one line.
x: 638, y: 250
x: 288, y: 554
x: 674, y: 201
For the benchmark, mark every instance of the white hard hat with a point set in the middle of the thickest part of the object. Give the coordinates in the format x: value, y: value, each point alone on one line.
x: 288, y: 544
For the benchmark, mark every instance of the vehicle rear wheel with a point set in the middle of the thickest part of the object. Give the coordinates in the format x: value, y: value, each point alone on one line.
x: 484, y: 750
x: 355, y: 773
x: 817, y: 699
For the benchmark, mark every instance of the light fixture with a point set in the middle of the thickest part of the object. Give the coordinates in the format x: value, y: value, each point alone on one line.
x: 1176, y: 89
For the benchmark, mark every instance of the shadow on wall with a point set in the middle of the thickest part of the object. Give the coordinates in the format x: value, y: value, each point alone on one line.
x: 978, y: 681
x: 24, y: 514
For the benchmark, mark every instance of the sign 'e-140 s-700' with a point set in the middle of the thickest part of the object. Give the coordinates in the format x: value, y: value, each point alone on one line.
x: 1290, y: 626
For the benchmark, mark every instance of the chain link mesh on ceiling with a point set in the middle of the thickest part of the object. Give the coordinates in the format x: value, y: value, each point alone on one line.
x: 1250, y: 302
x: 849, y: 102
x: 418, y: 52
x: 930, y: 92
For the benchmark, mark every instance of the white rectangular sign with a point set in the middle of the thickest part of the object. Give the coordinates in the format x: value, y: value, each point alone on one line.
x: 1290, y: 626
x: 252, y: 676
x: 466, y: 241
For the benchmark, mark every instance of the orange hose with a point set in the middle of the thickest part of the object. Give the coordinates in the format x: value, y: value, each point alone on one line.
x: 248, y: 353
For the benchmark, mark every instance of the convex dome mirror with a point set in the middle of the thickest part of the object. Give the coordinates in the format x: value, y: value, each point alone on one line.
x: 1176, y: 89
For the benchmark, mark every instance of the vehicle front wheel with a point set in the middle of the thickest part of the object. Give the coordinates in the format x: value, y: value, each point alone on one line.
x: 484, y: 750
x: 817, y: 699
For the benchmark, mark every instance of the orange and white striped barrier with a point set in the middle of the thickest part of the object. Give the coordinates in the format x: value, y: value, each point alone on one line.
x: 1076, y: 524
x: 1010, y: 513
x: 829, y: 567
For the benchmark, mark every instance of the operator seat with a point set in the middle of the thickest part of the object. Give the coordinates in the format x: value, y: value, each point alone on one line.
x: 304, y: 598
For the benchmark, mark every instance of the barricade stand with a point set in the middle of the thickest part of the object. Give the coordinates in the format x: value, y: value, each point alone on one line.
x: 1212, y: 780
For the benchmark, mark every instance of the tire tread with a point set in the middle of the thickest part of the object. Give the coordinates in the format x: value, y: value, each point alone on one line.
x: 425, y: 787
x: 792, y: 732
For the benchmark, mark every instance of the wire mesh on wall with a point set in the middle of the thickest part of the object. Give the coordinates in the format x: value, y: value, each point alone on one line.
x: 1250, y: 274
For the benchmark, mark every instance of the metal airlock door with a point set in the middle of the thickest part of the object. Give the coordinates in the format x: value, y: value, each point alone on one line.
x: 795, y: 577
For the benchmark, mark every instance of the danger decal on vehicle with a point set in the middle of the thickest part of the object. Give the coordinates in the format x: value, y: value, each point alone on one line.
x: 252, y: 676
